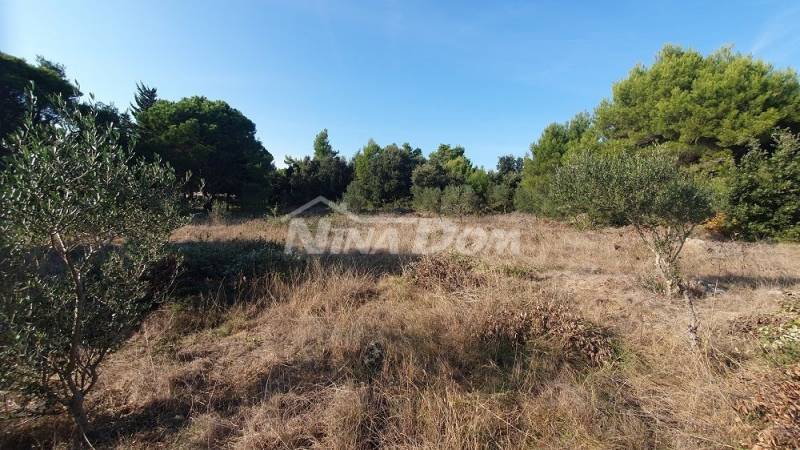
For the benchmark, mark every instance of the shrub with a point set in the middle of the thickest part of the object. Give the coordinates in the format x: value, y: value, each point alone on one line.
x: 500, y: 197
x: 220, y: 212
x: 355, y: 198
x: 764, y: 198
x: 447, y: 271
x: 85, y: 228
x: 459, y: 201
x: 426, y: 199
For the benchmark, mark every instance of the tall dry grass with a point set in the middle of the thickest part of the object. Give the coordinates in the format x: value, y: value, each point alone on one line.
x: 565, y: 345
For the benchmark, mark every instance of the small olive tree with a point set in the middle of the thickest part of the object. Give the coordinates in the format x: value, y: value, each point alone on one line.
x: 646, y: 190
x: 83, y: 234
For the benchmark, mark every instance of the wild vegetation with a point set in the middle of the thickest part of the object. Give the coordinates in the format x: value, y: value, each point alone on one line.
x: 569, y: 343
x: 715, y: 114
x: 131, y: 317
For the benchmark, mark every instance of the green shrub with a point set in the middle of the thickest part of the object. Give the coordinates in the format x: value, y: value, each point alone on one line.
x: 427, y: 199
x: 459, y: 201
x: 500, y: 197
x: 221, y: 211
x: 764, y: 198
x: 647, y: 190
x: 355, y: 198
x: 207, y: 264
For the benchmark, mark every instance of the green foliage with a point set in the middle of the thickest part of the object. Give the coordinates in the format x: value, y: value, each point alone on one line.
x: 325, y: 174
x: 459, y: 201
x: 430, y: 175
x: 144, y: 98
x: 322, y: 146
x: 764, y: 198
x: 221, y: 211
x: 355, y: 198
x: 704, y: 110
x: 213, y: 141
x: 16, y: 76
x: 721, y: 100
x: 500, y: 197
x: 503, y: 183
x: 207, y: 265
x: 382, y: 175
x: 546, y: 156
x: 479, y: 181
x: 645, y: 189
x: 427, y: 199
x: 84, y: 229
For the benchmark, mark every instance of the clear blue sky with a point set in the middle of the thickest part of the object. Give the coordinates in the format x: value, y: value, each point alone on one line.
x: 485, y: 75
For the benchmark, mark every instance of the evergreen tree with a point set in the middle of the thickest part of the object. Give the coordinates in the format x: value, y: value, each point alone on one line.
x: 322, y: 147
x: 145, y: 98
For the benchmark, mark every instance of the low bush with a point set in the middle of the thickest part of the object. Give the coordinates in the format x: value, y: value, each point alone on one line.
x: 426, y: 199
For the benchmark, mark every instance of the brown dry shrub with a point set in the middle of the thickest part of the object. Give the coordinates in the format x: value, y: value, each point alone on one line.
x: 749, y: 325
x: 776, y: 404
x: 447, y: 271
x: 512, y: 325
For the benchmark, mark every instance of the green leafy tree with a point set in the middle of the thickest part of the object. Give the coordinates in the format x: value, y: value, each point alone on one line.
x: 646, y: 190
x: 383, y: 174
x: 322, y: 146
x: 83, y: 229
x: 500, y: 197
x: 509, y: 165
x: 546, y: 154
x: 764, y: 199
x: 430, y: 175
x: 479, y: 180
x: 16, y: 76
x: 212, y: 141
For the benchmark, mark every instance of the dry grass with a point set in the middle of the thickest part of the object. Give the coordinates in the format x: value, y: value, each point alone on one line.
x: 565, y: 345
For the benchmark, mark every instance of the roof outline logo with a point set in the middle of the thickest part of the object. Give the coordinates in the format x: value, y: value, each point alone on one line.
x: 341, y: 208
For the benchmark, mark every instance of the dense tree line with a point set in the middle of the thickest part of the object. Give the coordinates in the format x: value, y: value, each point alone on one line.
x: 727, y: 118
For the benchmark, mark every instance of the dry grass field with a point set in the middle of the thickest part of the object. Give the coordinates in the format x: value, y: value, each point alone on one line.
x: 568, y: 344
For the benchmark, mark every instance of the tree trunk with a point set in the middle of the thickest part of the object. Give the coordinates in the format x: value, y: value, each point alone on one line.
x: 78, y: 412
x: 694, y: 324
x: 669, y: 274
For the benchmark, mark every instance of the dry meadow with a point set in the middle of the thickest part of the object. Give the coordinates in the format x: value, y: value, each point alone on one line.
x: 566, y: 344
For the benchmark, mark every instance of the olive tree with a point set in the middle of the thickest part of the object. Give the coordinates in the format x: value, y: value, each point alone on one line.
x: 646, y: 190
x: 83, y: 235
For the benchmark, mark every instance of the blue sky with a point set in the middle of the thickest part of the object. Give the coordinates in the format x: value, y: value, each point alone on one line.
x: 486, y: 75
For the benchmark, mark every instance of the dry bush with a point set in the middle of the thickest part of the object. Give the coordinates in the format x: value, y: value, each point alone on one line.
x: 776, y: 405
x: 509, y: 327
x: 446, y: 271
x: 592, y: 359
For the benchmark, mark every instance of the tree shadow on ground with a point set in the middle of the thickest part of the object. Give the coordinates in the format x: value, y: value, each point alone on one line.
x: 747, y: 281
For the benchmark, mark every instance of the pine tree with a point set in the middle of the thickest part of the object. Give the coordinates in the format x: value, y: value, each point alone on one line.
x: 145, y: 98
x: 322, y: 147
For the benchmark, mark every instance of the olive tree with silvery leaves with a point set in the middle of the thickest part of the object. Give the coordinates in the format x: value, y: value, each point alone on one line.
x: 83, y: 233
x: 646, y: 190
